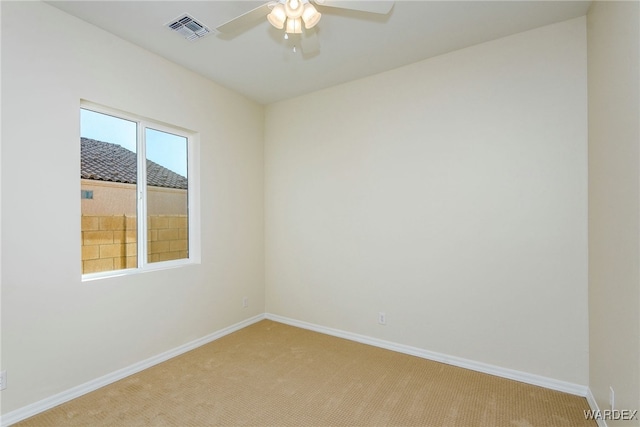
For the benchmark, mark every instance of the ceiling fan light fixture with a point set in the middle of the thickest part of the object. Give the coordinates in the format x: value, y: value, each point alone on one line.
x: 294, y: 8
x: 294, y: 26
x: 310, y: 16
x: 277, y: 16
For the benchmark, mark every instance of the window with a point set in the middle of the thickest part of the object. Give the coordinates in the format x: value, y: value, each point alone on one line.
x: 137, y: 194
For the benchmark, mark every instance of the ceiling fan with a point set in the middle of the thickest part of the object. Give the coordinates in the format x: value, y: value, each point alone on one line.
x: 299, y: 17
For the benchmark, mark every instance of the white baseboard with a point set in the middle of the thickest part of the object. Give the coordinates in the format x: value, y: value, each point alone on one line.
x: 65, y: 396
x: 550, y: 383
x: 595, y: 408
x: 57, y: 399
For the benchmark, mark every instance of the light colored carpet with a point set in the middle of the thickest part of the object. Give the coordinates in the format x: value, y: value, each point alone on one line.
x: 270, y: 374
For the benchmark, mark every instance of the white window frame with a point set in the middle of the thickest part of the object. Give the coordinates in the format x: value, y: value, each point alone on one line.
x: 193, y: 193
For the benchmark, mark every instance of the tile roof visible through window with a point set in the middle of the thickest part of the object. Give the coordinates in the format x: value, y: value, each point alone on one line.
x: 104, y: 161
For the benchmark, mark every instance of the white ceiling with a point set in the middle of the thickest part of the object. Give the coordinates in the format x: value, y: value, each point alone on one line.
x: 260, y: 64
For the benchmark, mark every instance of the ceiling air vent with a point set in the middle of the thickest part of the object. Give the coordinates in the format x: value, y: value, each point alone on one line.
x: 189, y: 27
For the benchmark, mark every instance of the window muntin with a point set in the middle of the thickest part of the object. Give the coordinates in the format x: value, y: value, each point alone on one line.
x: 137, y: 194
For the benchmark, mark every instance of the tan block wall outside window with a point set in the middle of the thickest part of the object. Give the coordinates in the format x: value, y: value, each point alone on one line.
x: 109, y: 242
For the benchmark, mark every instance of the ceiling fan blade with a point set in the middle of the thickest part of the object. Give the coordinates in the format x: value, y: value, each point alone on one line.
x: 374, y: 6
x: 309, y: 42
x: 245, y: 20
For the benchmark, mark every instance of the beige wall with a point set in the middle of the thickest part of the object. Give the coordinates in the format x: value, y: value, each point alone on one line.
x: 57, y: 331
x: 108, y: 198
x: 117, y: 198
x: 450, y: 194
x: 166, y: 201
x: 614, y: 203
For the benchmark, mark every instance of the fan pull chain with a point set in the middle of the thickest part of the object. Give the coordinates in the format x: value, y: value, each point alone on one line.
x: 286, y: 37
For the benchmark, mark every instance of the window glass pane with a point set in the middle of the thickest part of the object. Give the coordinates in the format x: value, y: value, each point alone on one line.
x: 108, y: 175
x: 167, y: 202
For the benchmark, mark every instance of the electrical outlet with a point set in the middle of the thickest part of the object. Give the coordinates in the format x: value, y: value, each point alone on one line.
x: 3, y: 380
x: 382, y: 318
x: 245, y: 302
x: 612, y: 399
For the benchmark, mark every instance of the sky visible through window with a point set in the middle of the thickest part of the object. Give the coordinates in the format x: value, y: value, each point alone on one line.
x: 166, y: 149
